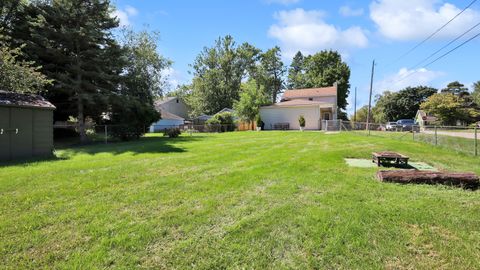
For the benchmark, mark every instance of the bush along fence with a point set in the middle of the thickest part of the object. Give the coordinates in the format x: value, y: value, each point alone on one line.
x: 458, y: 138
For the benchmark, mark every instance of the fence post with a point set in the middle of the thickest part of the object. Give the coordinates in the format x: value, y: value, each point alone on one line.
x: 106, y: 134
x: 436, y: 138
x: 476, y: 141
x: 413, y: 133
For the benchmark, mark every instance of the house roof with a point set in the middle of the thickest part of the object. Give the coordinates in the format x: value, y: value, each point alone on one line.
x: 299, y: 103
x: 226, y: 110
x: 310, y: 92
x: 425, y: 117
x: 168, y: 115
x: 24, y: 100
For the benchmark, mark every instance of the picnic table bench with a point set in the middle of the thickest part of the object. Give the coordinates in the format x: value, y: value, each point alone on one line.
x: 281, y: 126
x: 389, y: 158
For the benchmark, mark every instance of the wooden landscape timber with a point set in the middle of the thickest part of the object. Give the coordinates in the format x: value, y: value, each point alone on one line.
x: 463, y: 179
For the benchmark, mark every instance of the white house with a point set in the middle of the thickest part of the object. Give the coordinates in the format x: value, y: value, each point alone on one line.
x: 315, y: 104
x: 173, y: 111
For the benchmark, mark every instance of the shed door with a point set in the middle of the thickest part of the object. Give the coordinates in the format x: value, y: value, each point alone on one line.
x: 21, y: 132
x: 4, y: 134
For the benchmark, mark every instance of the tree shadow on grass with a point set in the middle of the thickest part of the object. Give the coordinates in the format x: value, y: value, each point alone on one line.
x: 140, y: 146
x: 31, y: 161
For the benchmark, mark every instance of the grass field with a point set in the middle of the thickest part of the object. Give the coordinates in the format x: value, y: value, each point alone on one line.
x: 266, y: 200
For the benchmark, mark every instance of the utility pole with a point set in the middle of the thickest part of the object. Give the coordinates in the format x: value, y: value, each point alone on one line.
x: 370, y: 97
x: 355, y: 107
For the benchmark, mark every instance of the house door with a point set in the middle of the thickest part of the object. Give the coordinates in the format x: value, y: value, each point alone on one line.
x: 326, y: 116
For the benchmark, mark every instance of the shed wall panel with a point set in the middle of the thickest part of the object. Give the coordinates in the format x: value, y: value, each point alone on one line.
x: 21, y: 138
x: 4, y: 136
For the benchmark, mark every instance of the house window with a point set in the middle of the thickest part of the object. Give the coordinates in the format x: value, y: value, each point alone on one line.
x: 310, y: 98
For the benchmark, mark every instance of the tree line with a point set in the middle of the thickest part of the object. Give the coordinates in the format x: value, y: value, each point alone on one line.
x: 451, y: 105
x: 243, y: 77
x: 73, y: 53
x: 66, y: 50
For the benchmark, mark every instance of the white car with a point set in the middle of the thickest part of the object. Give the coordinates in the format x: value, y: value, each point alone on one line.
x: 391, y: 126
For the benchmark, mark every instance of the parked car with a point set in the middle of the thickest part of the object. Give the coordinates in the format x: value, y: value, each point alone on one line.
x: 390, y: 126
x: 406, y: 124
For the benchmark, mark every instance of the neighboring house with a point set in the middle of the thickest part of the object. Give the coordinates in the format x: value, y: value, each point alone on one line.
x: 423, y: 119
x: 315, y: 104
x: 173, y: 111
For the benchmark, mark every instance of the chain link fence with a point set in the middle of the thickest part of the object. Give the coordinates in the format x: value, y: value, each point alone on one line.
x: 68, y: 135
x: 458, y: 138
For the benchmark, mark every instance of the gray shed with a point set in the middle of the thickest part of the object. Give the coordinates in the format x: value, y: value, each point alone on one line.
x: 26, y: 126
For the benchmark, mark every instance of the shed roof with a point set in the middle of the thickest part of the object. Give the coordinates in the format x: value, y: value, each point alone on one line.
x: 24, y: 100
x: 310, y: 92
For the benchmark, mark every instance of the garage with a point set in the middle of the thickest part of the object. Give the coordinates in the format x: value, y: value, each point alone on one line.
x: 26, y: 126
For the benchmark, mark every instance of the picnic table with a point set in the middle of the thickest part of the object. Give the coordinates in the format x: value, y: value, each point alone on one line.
x: 389, y: 158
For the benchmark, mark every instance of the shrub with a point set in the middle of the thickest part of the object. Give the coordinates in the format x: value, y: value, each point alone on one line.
x: 172, y: 132
x: 258, y: 121
x: 301, y: 121
x: 225, y: 119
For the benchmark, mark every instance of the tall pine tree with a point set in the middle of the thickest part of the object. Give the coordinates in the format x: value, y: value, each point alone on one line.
x: 72, y: 40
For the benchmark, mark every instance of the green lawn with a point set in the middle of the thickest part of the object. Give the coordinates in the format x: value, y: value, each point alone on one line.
x: 237, y: 200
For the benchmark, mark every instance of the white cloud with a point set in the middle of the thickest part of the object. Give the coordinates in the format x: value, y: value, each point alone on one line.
x: 405, y: 77
x: 307, y: 31
x: 173, y: 78
x: 347, y: 11
x: 282, y: 2
x: 125, y: 15
x: 417, y: 19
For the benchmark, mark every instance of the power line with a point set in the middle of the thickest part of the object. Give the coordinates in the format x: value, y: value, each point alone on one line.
x: 436, y: 32
x: 445, y: 46
x: 441, y: 56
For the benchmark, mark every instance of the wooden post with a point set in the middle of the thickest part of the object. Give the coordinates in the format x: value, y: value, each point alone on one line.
x: 436, y: 138
x: 106, y: 134
x: 370, y: 98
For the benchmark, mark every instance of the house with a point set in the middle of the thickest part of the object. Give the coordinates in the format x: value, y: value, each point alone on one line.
x: 315, y: 104
x: 26, y: 126
x: 173, y: 111
x: 423, y: 119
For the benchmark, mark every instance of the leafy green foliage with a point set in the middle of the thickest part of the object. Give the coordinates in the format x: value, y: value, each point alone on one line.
x: 141, y: 83
x: 403, y: 104
x: 172, y: 132
x: 301, y: 121
x: 273, y: 72
x: 19, y: 75
x: 361, y: 115
x: 456, y: 88
x: 450, y: 108
x: 295, y: 72
x: 225, y: 119
x: 218, y: 73
x: 322, y: 69
x: 476, y: 93
x: 251, y: 98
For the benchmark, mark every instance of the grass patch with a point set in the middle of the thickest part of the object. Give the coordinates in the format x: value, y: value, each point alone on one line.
x: 235, y: 200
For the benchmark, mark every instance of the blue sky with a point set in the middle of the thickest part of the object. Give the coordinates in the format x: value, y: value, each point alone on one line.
x: 360, y: 30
